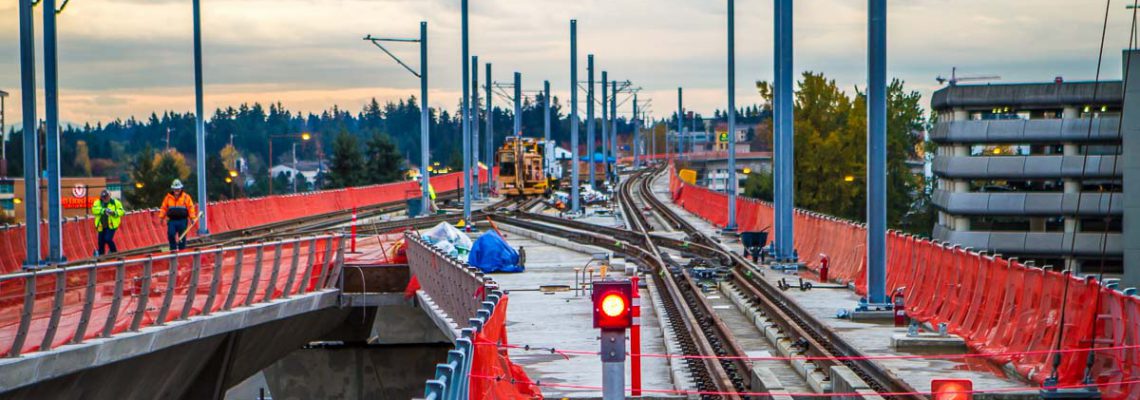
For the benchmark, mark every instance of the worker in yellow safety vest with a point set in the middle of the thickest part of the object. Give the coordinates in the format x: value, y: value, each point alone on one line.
x: 108, y: 214
x: 431, y: 196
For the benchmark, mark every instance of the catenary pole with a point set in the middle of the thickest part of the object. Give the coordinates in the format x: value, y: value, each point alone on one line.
x: 877, y: 152
x: 200, y: 124
x: 731, y: 184
x: 31, y: 138
x: 475, y: 187
x: 425, y: 138
x: 574, y: 163
x: 465, y: 112
x: 785, y: 145
x: 590, y: 120
x: 548, y: 148
x: 51, y: 134
x: 605, y: 125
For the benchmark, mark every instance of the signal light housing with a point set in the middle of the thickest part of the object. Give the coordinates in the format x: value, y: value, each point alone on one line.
x: 613, y: 304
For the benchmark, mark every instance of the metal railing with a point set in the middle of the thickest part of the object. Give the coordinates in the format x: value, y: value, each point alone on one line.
x: 461, y: 291
x: 43, y: 309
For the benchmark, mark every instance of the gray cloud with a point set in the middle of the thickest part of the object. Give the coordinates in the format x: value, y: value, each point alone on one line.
x: 266, y: 49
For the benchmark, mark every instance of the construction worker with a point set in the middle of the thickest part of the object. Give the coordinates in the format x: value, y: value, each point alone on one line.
x: 108, y: 214
x: 179, y: 211
x: 431, y: 196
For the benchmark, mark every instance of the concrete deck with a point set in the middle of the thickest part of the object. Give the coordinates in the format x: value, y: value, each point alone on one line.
x: 564, y: 320
x: 870, y: 337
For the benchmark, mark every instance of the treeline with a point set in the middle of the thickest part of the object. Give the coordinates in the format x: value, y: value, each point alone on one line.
x: 831, y: 154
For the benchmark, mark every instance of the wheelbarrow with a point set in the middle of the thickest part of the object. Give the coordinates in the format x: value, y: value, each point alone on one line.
x: 754, y: 242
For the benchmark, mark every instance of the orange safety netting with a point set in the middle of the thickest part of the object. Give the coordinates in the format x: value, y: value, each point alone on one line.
x: 491, y: 360
x: 255, y: 279
x: 145, y: 228
x: 997, y: 305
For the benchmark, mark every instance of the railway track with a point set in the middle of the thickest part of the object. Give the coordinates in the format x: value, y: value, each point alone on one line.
x: 308, y: 224
x: 695, y: 323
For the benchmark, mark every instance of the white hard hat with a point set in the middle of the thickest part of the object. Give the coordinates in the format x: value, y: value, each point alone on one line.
x: 177, y: 184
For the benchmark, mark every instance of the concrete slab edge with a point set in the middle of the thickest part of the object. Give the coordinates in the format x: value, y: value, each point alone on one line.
x: 67, y: 359
x: 445, y: 323
x: 815, y: 377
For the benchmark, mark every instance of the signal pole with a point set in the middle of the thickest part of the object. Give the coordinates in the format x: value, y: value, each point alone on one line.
x: 680, y: 124
x: 613, y: 133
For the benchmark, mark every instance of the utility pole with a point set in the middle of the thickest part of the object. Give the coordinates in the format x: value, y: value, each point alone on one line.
x: 590, y: 120
x: 731, y: 182
x: 51, y: 134
x: 466, y: 125
x: 475, y: 127
x: 548, y: 153
x: 200, y: 126
x: 31, y: 139
x: 574, y: 163
x: 785, y: 145
x: 877, y: 152
x: 605, y: 126
x: 490, y: 135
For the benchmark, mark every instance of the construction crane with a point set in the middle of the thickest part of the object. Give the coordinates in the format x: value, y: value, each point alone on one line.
x: 954, y: 78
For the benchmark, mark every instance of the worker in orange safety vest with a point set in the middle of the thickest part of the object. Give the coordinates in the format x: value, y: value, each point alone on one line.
x: 179, y: 212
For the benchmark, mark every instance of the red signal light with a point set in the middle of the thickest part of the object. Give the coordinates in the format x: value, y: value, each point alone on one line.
x: 612, y: 304
x: 952, y: 389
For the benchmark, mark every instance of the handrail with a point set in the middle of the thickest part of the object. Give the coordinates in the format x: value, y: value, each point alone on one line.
x: 156, y: 289
x: 452, y: 378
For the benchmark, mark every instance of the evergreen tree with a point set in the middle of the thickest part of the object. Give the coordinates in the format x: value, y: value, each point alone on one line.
x: 384, y: 160
x: 347, y: 164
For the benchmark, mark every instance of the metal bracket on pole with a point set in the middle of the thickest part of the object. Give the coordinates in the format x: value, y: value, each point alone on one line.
x: 422, y: 74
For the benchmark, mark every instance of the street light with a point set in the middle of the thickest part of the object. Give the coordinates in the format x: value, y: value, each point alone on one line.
x: 849, y: 178
x: 305, y: 136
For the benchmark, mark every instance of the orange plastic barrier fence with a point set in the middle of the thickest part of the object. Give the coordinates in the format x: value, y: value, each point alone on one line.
x: 102, y: 300
x: 999, y: 306
x: 489, y: 361
x: 144, y: 227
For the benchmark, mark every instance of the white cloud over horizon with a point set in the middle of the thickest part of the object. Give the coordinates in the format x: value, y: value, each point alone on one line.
x: 122, y: 58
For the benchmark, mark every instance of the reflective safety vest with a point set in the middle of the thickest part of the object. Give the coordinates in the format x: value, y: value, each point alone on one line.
x: 431, y: 191
x: 183, y: 205
x: 114, y: 217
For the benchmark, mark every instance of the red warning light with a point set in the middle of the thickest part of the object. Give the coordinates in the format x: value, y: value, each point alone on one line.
x: 612, y: 305
x: 952, y: 389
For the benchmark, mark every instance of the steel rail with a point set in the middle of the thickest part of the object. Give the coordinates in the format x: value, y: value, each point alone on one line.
x: 792, y: 319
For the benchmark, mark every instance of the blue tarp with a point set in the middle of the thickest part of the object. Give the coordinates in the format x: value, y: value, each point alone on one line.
x: 492, y: 254
x: 598, y: 158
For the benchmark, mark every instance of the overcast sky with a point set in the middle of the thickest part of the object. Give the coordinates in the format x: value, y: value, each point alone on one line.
x: 130, y: 57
